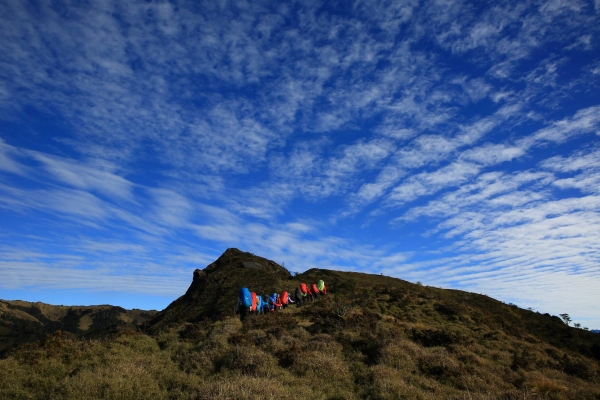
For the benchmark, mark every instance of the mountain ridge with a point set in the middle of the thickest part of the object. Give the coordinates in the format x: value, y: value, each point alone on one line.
x: 24, y: 322
x: 371, y: 336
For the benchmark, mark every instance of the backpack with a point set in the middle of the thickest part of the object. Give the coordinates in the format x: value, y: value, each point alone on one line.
x: 284, y: 297
x: 253, y: 307
x: 314, y: 289
x: 273, y: 298
x: 245, y: 297
x: 259, y: 303
x: 321, y: 285
x: 303, y: 288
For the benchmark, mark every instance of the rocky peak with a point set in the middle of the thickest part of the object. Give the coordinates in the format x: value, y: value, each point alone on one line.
x: 213, y: 292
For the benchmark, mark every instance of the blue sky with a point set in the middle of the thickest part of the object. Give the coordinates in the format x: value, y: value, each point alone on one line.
x: 448, y: 142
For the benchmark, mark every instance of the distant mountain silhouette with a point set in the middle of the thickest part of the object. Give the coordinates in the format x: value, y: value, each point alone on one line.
x: 22, y: 321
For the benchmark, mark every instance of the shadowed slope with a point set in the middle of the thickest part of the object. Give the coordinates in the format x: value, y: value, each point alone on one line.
x: 22, y: 321
x: 443, y: 309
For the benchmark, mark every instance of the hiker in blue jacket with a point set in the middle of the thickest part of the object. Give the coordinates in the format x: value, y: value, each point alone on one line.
x: 244, y: 303
x: 274, y: 302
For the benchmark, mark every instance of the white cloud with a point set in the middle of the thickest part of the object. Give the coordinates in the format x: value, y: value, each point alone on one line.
x: 7, y: 161
x: 427, y: 183
x: 492, y: 154
x: 587, y: 181
x: 370, y: 191
x: 299, y: 227
x: 170, y: 208
x: 35, y: 273
x: 84, y: 177
x: 583, y: 161
x: 583, y: 122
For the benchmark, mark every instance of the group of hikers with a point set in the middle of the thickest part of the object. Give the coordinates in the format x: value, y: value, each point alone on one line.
x: 251, y: 303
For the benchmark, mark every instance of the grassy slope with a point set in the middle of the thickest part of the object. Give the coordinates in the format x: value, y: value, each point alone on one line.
x: 372, y: 337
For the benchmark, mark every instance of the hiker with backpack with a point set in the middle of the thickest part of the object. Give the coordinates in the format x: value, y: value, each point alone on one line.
x: 314, y: 290
x: 309, y: 294
x: 244, y: 303
x: 265, y: 304
x: 298, y: 296
x: 275, y: 304
x: 306, y: 295
x: 322, y: 288
x: 254, y: 302
x: 259, y: 304
x: 285, y: 299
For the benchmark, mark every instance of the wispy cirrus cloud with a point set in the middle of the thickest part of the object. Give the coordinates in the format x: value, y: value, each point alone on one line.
x: 304, y: 132
x: 526, y: 234
x: 153, y: 234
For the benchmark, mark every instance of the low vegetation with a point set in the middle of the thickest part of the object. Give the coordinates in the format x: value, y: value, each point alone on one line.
x: 372, y: 337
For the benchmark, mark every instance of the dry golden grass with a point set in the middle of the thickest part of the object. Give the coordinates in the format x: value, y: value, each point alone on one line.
x: 316, y: 352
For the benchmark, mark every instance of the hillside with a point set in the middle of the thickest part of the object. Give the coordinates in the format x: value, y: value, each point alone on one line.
x: 23, y: 322
x: 371, y: 337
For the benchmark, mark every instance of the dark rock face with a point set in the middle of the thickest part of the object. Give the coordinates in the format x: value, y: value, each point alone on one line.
x: 213, y: 292
x: 252, y: 265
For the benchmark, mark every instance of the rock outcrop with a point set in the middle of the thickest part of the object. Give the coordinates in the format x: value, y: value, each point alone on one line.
x: 213, y: 292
